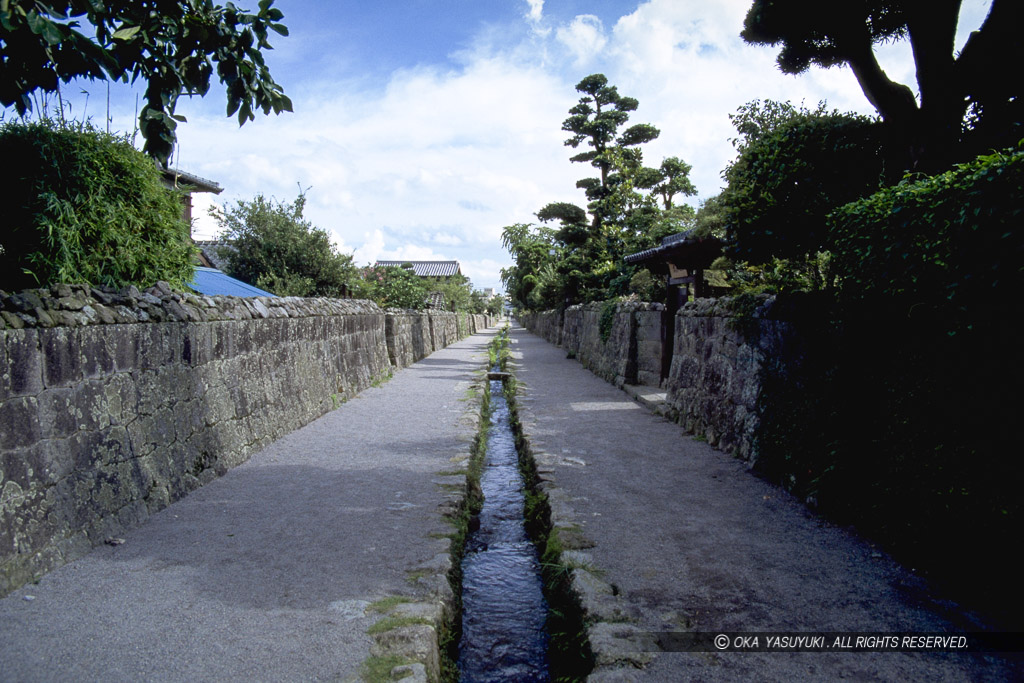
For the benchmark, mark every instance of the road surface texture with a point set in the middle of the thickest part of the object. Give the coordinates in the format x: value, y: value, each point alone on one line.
x: 266, y: 573
x: 675, y: 536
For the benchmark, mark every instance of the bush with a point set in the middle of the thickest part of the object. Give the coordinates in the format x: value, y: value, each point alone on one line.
x: 899, y: 419
x: 951, y: 242
x: 275, y: 248
x: 793, y: 168
x: 395, y: 287
x: 83, y: 206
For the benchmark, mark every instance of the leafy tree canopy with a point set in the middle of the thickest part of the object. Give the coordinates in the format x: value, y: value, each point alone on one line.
x: 174, y: 46
x: 394, y: 287
x: 275, y: 248
x: 596, y: 121
x: 794, y: 166
x: 582, y: 260
x: 968, y: 102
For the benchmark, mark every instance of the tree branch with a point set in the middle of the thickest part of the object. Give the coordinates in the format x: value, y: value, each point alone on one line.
x: 894, y: 101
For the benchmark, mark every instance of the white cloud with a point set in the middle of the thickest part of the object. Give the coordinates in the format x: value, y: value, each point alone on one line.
x: 686, y: 64
x: 536, y: 11
x: 584, y: 36
x: 432, y: 163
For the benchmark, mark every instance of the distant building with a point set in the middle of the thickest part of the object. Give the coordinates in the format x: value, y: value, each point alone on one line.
x: 208, y: 278
x: 430, y: 269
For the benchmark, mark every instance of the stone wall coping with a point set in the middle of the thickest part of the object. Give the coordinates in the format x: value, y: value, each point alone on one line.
x: 627, y: 305
x: 82, y: 305
x: 792, y: 307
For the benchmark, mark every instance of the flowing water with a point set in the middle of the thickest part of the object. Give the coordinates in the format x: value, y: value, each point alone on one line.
x: 503, y: 606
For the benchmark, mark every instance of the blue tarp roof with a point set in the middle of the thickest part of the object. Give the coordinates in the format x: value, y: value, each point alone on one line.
x: 211, y: 282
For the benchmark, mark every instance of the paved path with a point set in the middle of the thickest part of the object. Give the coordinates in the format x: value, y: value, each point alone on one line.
x: 265, y: 573
x: 686, y: 539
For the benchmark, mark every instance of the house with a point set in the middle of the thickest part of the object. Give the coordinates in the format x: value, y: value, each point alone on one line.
x: 208, y: 278
x: 683, y: 260
x: 427, y: 269
x: 210, y: 255
x: 188, y: 184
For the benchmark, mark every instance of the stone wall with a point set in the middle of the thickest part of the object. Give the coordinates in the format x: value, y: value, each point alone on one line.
x: 714, y: 383
x: 113, y: 405
x: 546, y: 324
x: 630, y: 355
x: 649, y: 343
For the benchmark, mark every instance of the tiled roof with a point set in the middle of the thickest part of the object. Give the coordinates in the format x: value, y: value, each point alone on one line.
x: 428, y: 268
x: 666, y: 243
x: 211, y: 281
x: 211, y: 250
x: 435, y: 300
x: 191, y: 182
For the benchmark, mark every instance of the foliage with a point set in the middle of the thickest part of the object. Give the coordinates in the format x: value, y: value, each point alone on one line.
x: 274, y: 247
x: 596, y: 120
x: 710, y: 218
x: 969, y: 102
x: 395, y: 287
x: 86, y: 207
x: 582, y: 259
x: 913, y: 344
x: 672, y: 178
x: 457, y: 291
x: 950, y: 241
x: 794, y: 166
x: 173, y: 46
x: 646, y: 286
x: 495, y: 305
x: 606, y: 320
x: 533, y: 252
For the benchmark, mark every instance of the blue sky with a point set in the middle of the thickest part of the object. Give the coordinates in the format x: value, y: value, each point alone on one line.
x: 422, y: 127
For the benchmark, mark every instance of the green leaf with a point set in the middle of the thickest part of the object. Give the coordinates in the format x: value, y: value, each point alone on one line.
x: 126, y: 33
x: 279, y: 28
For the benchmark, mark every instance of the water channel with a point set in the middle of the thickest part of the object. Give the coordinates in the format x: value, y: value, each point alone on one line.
x: 503, y: 606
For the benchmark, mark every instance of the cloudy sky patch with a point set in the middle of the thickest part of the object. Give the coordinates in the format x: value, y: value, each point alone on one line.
x: 421, y: 129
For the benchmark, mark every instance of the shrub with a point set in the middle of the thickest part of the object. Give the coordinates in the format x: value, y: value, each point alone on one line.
x: 793, y: 168
x: 273, y: 246
x: 84, y: 206
x: 951, y: 242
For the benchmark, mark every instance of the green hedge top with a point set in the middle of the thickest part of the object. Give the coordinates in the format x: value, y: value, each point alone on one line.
x: 85, y: 207
x: 952, y: 241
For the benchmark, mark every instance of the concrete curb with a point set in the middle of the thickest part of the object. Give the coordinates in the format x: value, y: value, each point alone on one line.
x: 419, y: 644
x: 607, y: 617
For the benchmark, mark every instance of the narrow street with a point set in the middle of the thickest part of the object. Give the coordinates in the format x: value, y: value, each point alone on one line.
x: 272, y: 572
x: 680, y: 537
x: 267, y: 573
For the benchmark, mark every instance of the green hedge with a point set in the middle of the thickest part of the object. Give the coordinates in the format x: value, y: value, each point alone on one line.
x: 899, y: 416
x: 83, y: 206
x: 952, y: 241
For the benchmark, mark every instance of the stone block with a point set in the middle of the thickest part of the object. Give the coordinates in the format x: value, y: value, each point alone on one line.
x: 62, y: 363
x: 21, y: 372
x: 95, y: 350
x: 58, y: 416
x: 19, y: 422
